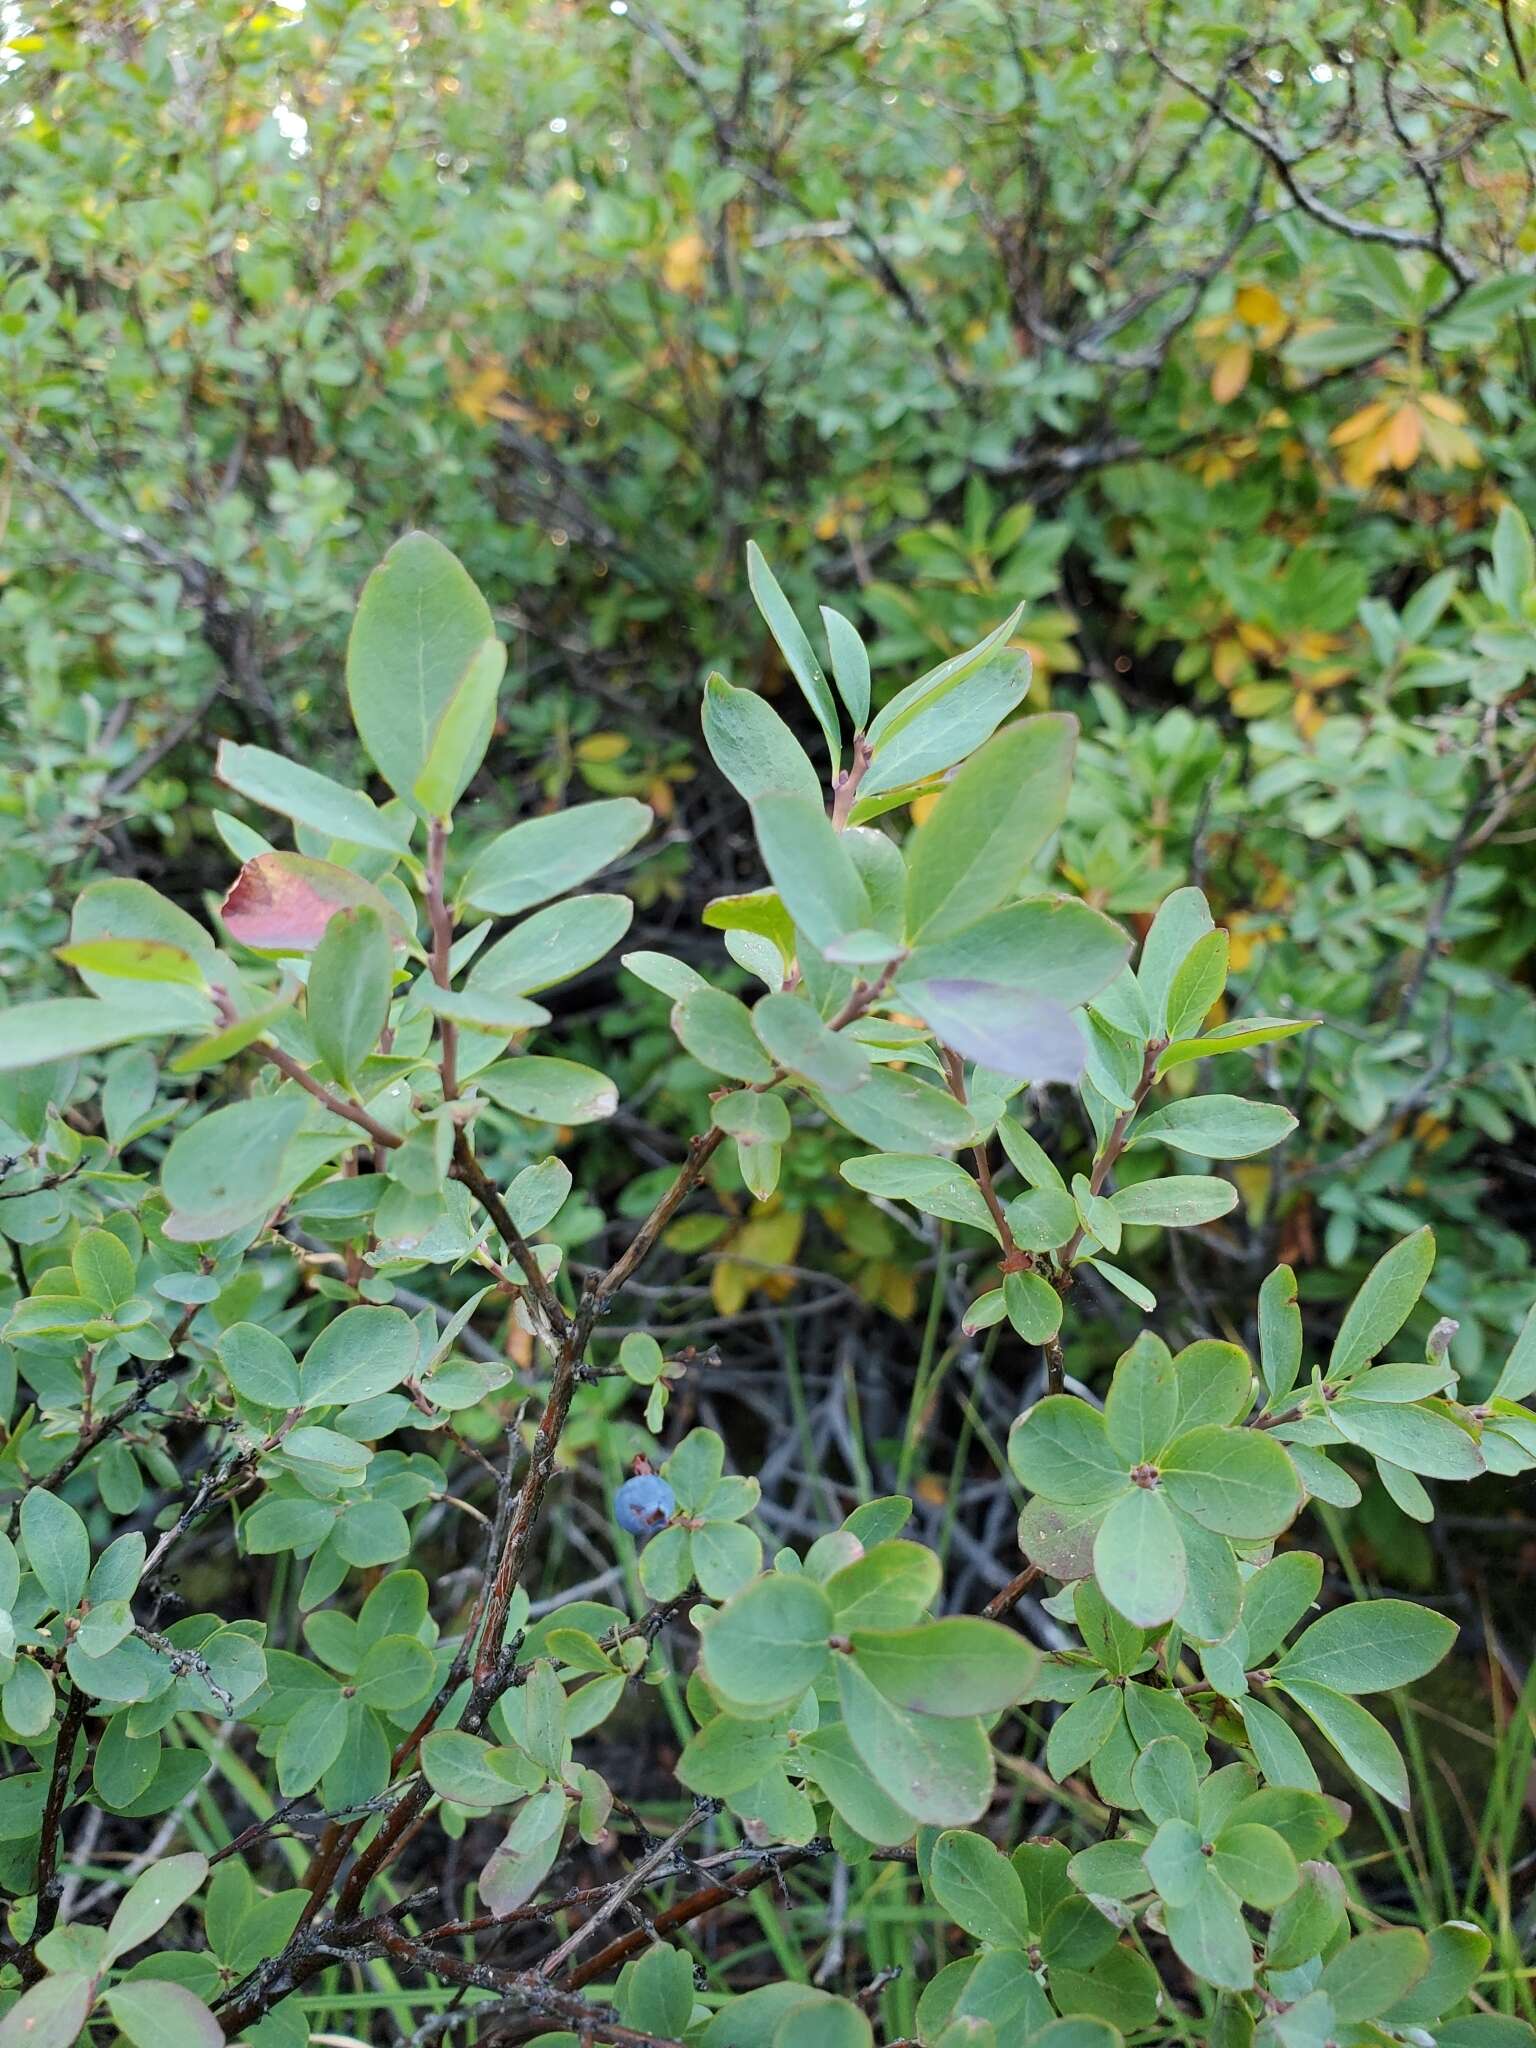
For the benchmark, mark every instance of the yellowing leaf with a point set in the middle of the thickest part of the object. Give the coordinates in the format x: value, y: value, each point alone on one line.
x: 1257, y: 306
x: 602, y: 747
x: 682, y: 267
x: 1231, y: 372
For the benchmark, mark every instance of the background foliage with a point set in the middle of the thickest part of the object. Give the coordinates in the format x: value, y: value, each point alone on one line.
x: 1207, y: 341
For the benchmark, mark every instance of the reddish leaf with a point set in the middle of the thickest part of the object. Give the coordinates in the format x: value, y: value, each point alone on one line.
x: 282, y: 902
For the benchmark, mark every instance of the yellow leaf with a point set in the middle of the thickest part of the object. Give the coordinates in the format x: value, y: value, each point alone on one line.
x: 1366, y: 421
x: 682, y: 267
x: 1442, y: 407
x: 1229, y: 662
x: 477, y: 396
x: 1231, y: 372
x: 1404, y: 435
x: 1450, y: 446
x: 602, y: 747
x: 922, y: 805
x: 1257, y: 306
x: 1308, y: 714
x: 1257, y: 639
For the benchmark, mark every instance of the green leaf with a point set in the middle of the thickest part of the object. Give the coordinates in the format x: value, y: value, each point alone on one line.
x: 1276, y: 1598
x: 132, y: 960
x: 812, y: 869
x: 1237, y: 1482
x: 1279, y: 1334
x: 1384, y: 1303
x: 310, y: 1743
x: 1518, y: 1377
x: 656, y: 1993
x: 1197, y: 984
x: 942, y: 683
x: 940, y: 1771
x: 1241, y: 1035
x: 746, y: 1113
x: 950, y: 1669
x: 1370, y: 1973
x: 1049, y: 946
x: 350, y: 980
x: 151, y: 1900
x: 938, y: 1187
x: 1060, y: 1448
x: 1164, y: 1781
x: 1358, y: 1737
x: 1079, y: 1734
x: 58, y: 1548
x: 950, y: 724
x: 850, y: 664
x: 1142, y: 1407
x: 726, y: 1755
x: 544, y: 857
x: 1042, y: 1219
x: 1369, y: 1646
x: 226, y: 1170
x: 1110, y: 1870
x: 27, y: 1697
x: 717, y: 1030
x: 423, y: 668
x: 552, y: 945
x: 1307, y: 1921
x: 360, y: 1353
x: 1139, y: 1559
x: 1458, y: 1954
x: 1033, y: 1306
x: 105, y: 1270
x: 1175, y: 1861
x: 752, y: 746
x: 153, y: 2013
x: 768, y: 1644
x: 1175, y: 1200
x: 798, y: 1039
x: 309, y: 798
x: 1256, y: 1863
x: 993, y: 818
x: 51, y: 2015
x: 1183, y: 920
x: 550, y: 1091
x: 821, y: 2023
x: 778, y: 615
x: 64, y: 1027
x: 260, y: 1366
x: 1076, y: 2033
x: 1210, y: 1938
x: 1421, y: 1439
x: 902, y: 1113
x: 979, y: 1889
x: 891, y: 1586
x: 1029, y: 1038
x: 473, y: 1773
x: 1216, y: 1126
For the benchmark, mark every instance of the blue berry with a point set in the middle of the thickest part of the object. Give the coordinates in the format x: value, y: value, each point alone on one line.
x: 643, y: 1504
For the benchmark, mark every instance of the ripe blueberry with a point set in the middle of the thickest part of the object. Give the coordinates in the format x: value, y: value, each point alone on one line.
x: 643, y: 1504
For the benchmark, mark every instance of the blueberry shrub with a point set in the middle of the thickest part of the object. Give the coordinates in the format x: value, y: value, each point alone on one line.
x: 307, y: 1357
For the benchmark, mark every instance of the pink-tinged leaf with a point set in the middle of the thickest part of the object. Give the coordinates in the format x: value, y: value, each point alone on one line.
x: 282, y: 902
x: 1029, y: 1037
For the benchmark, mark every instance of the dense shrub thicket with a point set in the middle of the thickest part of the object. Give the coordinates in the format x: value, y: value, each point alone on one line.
x: 1180, y: 362
x: 919, y: 995
x: 1205, y: 341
